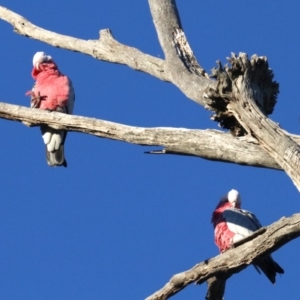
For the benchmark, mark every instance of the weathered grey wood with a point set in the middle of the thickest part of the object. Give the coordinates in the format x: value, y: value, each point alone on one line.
x: 106, y: 48
x: 208, y: 144
x: 234, y: 260
x: 245, y: 91
x: 110, y: 50
x: 166, y: 20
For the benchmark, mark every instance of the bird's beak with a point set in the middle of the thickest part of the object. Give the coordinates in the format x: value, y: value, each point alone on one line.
x: 37, y: 65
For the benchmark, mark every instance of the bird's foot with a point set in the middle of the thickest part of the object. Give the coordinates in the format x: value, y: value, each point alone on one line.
x: 35, y: 99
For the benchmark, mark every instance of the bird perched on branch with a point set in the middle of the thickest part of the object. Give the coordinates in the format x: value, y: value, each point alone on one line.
x: 232, y: 224
x: 52, y: 91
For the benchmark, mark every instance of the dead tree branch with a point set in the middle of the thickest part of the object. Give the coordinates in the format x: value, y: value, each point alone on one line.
x: 245, y: 94
x: 234, y: 260
x: 110, y: 50
x: 181, y: 65
x: 106, y: 48
x: 208, y: 144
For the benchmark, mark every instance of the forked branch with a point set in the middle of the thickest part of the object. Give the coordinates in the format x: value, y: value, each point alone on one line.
x: 110, y: 50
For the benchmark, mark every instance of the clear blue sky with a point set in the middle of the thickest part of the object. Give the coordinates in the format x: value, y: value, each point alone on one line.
x: 117, y: 224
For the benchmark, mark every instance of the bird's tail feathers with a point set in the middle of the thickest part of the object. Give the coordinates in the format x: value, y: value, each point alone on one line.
x: 56, y: 158
x: 54, y: 141
x: 269, y: 267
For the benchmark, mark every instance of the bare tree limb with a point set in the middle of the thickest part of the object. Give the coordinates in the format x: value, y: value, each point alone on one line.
x: 166, y: 18
x: 106, y: 48
x: 167, y: 23
x: 110, y: 50
x: 172, y: 38
x: 248, y: 92
x: 208, y: 144
x: 234, y: 260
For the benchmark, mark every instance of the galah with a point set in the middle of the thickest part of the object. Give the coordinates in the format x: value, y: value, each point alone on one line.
x: 232, y: 224
x: 52, y: 91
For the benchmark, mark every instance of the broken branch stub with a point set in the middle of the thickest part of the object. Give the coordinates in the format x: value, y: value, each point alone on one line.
x: 256, y: 75
x: 244, y: 95
x: 216, y: 288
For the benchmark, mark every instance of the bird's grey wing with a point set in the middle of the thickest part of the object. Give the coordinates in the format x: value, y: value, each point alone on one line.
x: 243, y: 223
x: 71, y: 99
x: 240, y: 222
x: 254, y: 220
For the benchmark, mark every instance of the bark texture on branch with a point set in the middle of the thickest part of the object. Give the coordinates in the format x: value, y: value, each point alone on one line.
x: 110, y: 50
x: 248, y: 93
x: 234, y: 260
x: 208, y: 144
x: 181, y: 65
x: 106, y: 48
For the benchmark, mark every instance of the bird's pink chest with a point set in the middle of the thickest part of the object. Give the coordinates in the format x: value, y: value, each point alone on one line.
x: 223, y: 236
x: 53, y: 89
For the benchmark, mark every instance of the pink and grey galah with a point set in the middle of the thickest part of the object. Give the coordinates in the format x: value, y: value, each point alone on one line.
x: 232, y: 224
x: 52, y: 91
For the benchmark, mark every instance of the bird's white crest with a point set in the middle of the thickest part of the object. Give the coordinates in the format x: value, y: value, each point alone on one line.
x: 234, y: 196
x: 40, y: 57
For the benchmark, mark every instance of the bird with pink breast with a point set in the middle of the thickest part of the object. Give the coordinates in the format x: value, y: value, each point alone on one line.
x: 232, y: 224
x: 52, y: 91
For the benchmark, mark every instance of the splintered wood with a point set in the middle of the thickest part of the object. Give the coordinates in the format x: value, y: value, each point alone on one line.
x: 185, y: 53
